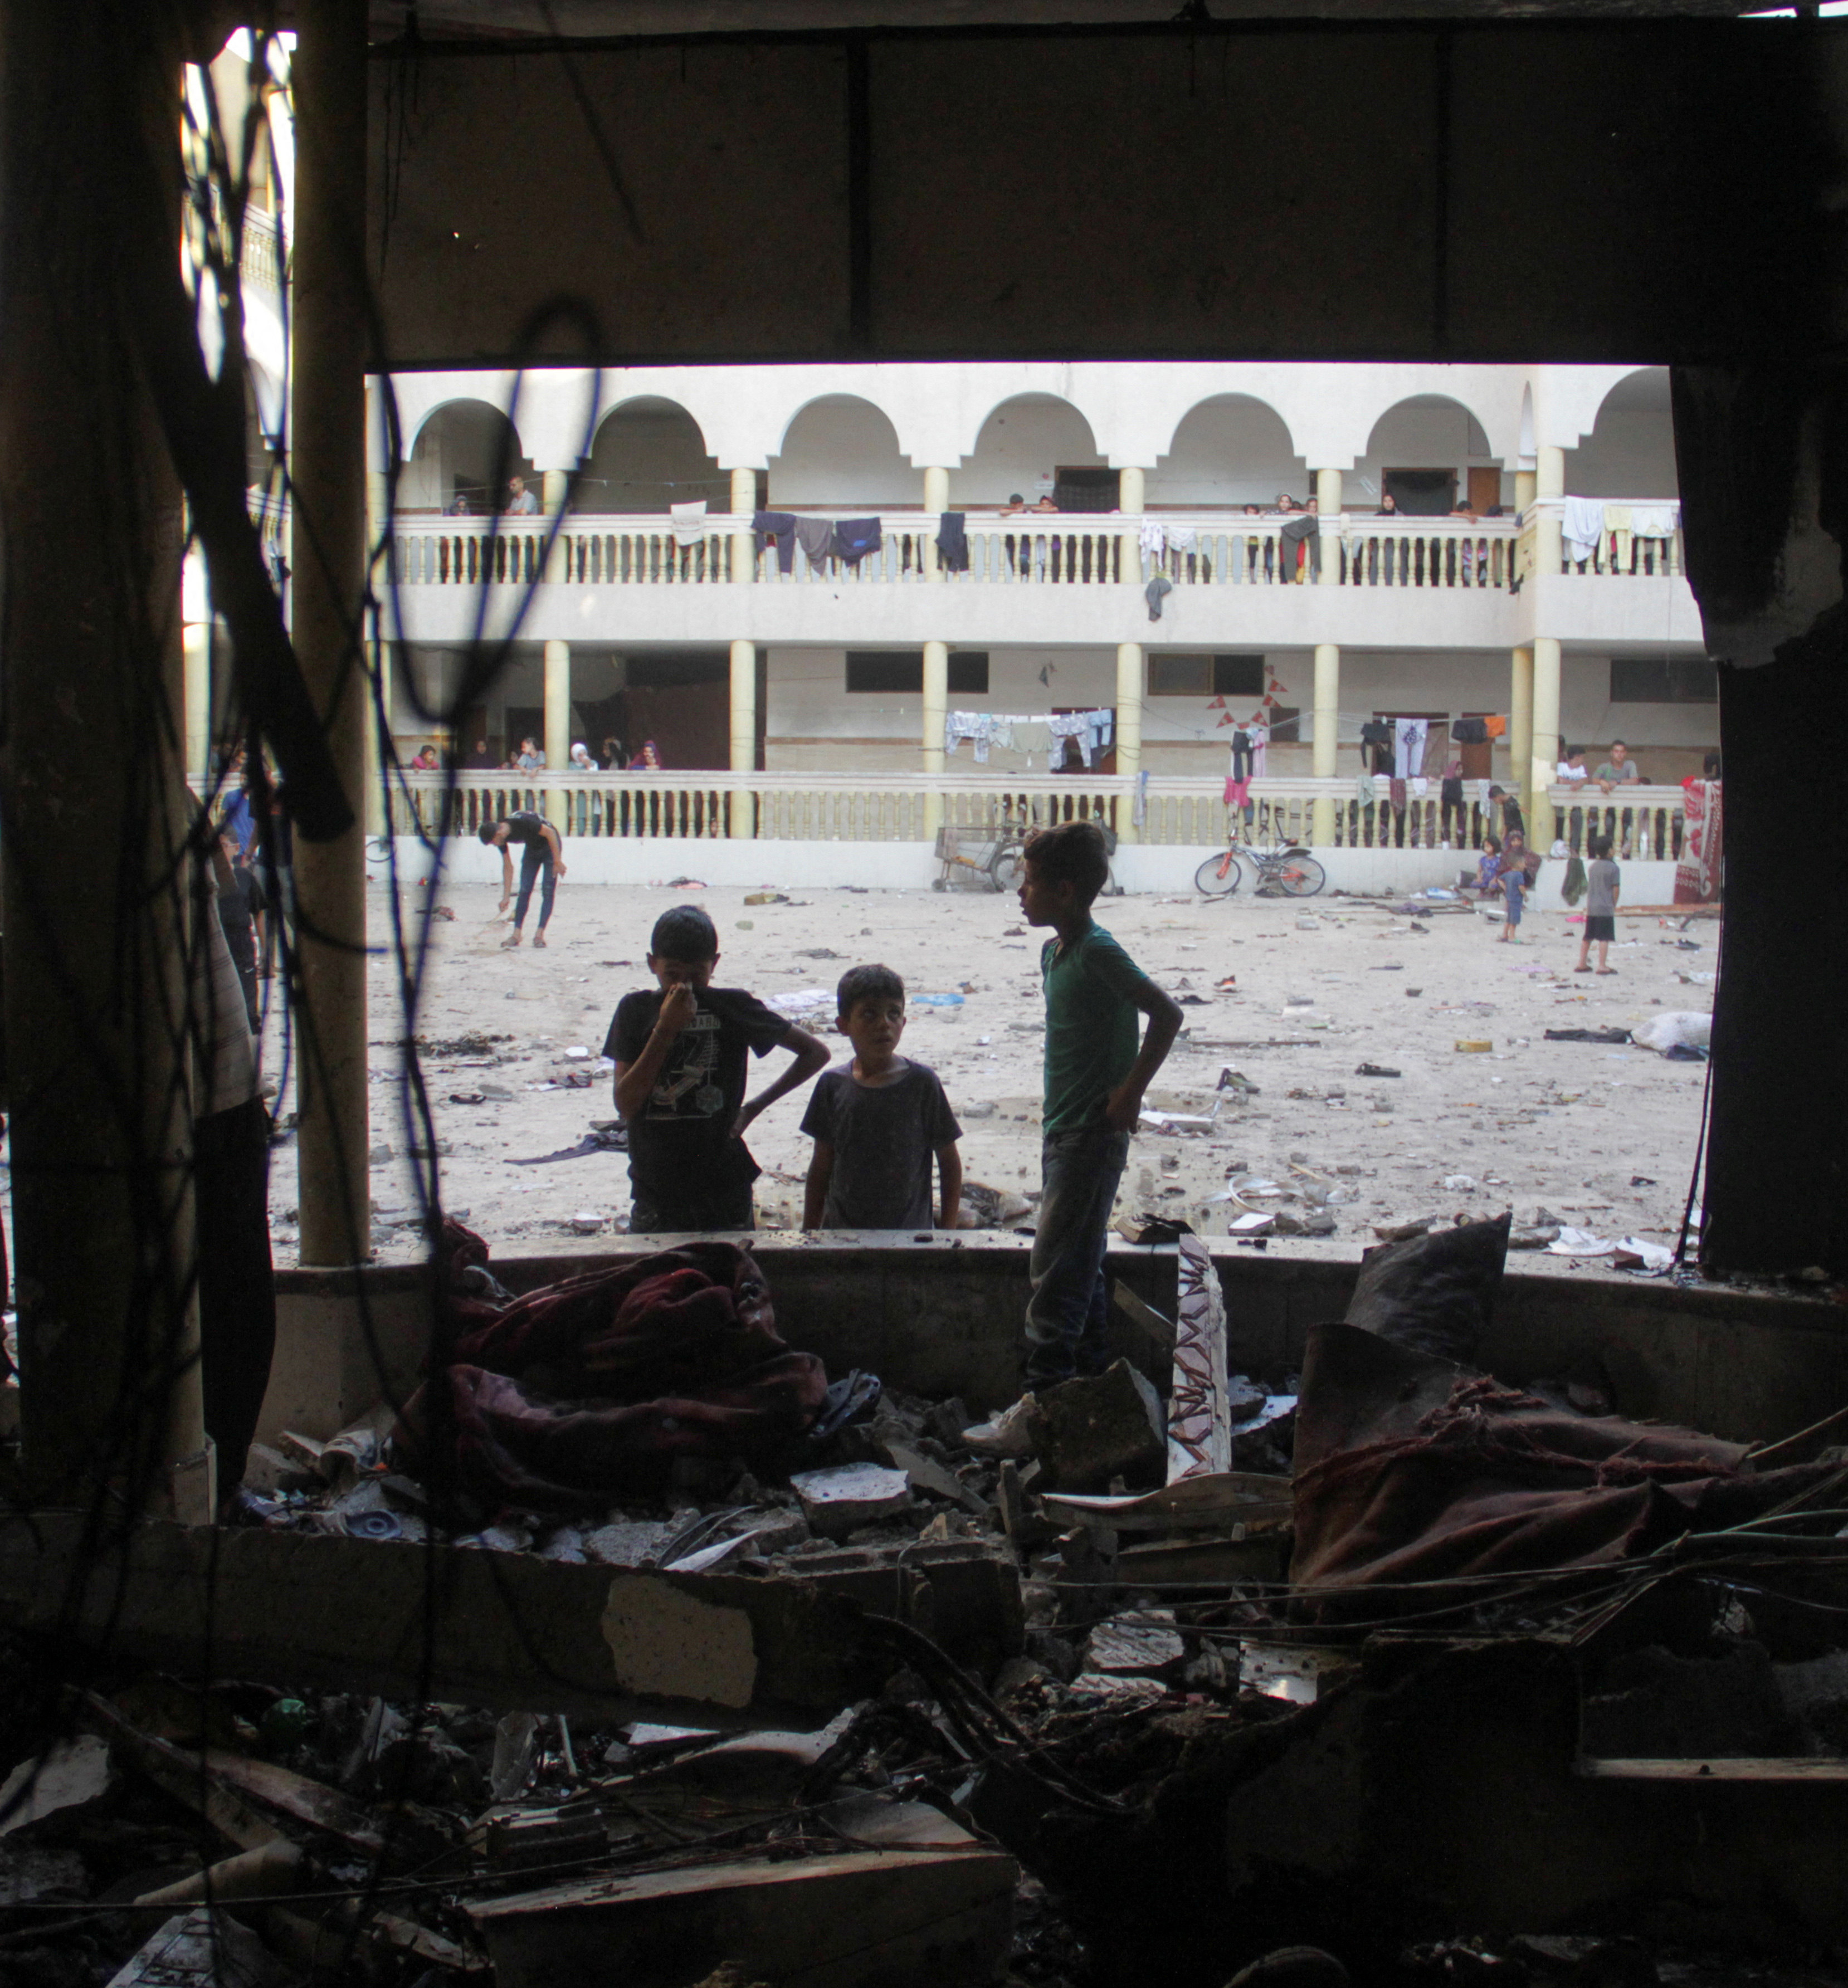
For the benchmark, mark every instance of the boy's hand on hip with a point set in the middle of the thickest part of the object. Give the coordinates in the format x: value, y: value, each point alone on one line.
x: 678, y: 1008
x: 742, y: 1124
x: 1122, y: 1109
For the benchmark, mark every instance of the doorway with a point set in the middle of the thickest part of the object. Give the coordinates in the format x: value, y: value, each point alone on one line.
x: 1421, y: 493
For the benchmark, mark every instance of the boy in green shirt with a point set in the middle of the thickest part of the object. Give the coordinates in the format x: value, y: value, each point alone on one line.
x: 1096, y: 1072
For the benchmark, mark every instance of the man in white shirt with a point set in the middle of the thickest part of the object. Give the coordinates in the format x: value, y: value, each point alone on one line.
x: 1570, y: 771
x: 521, y: 502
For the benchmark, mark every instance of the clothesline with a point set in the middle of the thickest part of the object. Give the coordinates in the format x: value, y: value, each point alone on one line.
x: 1090, y: 731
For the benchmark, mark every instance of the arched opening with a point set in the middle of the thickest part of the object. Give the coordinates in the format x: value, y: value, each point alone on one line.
x: 841, y: 452
x: 461, y: 460
x: 1630, y: 452
x: 649, y: 456
x: 1430, y: 454
x: 1230, y: 450
x: 1035, y: 445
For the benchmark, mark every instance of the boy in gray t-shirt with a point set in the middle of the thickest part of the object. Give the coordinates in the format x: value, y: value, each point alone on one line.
x: 879, y: 1124
x: 1604, y: 881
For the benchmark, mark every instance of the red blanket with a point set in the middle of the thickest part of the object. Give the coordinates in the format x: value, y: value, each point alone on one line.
x: 573, y: 1394
x: 1412, y: 1468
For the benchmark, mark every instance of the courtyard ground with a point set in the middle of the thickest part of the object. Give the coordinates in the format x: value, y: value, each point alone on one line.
x: 1600, y: 1138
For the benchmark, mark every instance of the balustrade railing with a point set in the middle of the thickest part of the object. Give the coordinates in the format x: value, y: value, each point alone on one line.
x: 1198, y: 549
x: 1620, y: 549
x: 1643, y: 821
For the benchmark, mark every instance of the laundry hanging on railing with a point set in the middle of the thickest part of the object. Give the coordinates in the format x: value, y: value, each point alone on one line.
x: 689, y: 521
x: 952, y: 542
x: 1655, y: 521
x: 1155, y: 594
x: 779, y: 527
x: 1154, y: 538
x: 1408, y: 747
x: 815, y: 537
x: 854, y: 538
x: 1582, y: 527
x: 977, y: 726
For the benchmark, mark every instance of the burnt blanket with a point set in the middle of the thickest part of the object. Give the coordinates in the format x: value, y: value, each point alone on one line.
x: 1411, y: 1467
x: 573, y: 1394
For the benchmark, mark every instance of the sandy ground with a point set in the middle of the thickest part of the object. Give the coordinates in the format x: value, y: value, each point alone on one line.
x: 1601, y: 1138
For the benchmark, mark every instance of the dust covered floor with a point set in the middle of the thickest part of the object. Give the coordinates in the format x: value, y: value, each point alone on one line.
x: 1599, y: 1137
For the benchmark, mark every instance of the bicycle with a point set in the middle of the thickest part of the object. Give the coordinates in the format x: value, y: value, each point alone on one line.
x: 1293, y: 870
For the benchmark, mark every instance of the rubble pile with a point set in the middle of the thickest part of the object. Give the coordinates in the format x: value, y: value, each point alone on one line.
x: 1388, y: 1671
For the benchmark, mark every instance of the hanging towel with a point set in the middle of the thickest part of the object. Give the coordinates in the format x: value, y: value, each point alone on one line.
x: 1496, y: 727
x: 1260, y: 748
x: 856, y: 537
x: 689, y: 522
x: 1482, y: 799
x: 1617, y: 518
x: 1469, y: 732
x: 1138, y: 813
x: 815, y: 537
x: 952, y: 542
x: 1582, y: 527
x: 1155, y: 593
x: 1655, y: 521
x: 1238, y: 793
x: 779, y: 526
x: 1408, y: 747
x: 1376, y: 746
x: 1363, y: 789
x: 1241, y: 755
x: 1152, y: 538
x: 1420, y: 786
x: 1395, y: 791
x: 1180, y: 538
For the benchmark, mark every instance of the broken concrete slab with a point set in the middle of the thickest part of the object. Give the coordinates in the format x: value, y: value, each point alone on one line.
x: 631, y: 1543
x: 67, y: 1777
x: 1193, y: 1504
x: 1144, y: 1645
x: 965, y: 1594
x: 846, y: 1496
x: 927, y: 1474
x: 308, y: 1608
x: 1088, y: 1431
x: 203, y: 1950
x: 846, y: 1921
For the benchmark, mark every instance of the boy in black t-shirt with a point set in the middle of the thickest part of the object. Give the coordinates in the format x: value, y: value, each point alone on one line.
x: 679, y: 1054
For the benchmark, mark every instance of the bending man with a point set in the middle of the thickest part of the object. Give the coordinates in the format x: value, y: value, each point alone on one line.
x: 542, y: 857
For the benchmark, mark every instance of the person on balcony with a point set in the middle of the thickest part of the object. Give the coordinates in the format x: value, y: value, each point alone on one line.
x: 647, y: 760
x: 581, y: 760
x: 480, y: 760
x: 1620, y: 770
x: 529, y: 759
x: 542, y: 861
x: 427, y: 762
x: 521, y: 502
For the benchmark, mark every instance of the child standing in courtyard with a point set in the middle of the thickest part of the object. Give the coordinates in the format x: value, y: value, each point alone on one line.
x: 1096, y: 1072
x: 1514, y: 882
x: 680, y: 1051
x: 879, y: 1123
x: 1604, y: 883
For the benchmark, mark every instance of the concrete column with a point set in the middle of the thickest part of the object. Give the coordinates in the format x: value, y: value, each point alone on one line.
x: 1131, y: 489
x: 1328, y: 504
x: 199, y: 698
x: 936, y: 501
x: 1520, y: 768
x: 1524, y: 483
x: 744, y: 504
x: 96, y: 881
x: 744, y: 736
x: 1328, y: 726
x: 1543, y: 750
x: 558, y: 725
x: 1129, y: 690
x: 329, y: 467
x: 557, y: 488
x: 1549, y: 482
x: 937, y: 705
